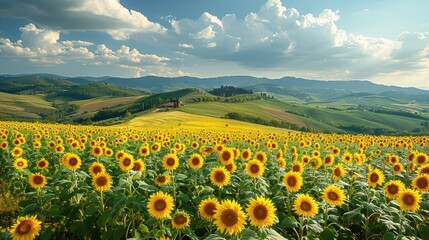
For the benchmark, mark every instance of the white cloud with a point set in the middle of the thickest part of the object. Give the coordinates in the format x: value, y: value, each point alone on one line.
x: 43, y: 47
x: 184, y: 45
x: 278, y: 38
x: 101, y: 15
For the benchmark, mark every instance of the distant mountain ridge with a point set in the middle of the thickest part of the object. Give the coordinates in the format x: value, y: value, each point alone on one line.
x: 303, y: 89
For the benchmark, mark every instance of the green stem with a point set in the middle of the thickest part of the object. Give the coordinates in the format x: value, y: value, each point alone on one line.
x: 401, y: 221
x: 301, y: 228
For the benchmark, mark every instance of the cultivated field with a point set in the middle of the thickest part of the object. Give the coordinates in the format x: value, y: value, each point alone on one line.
x: 174, y: 175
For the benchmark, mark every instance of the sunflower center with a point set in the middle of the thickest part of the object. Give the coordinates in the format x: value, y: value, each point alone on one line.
x: 226, y: 155
x: 396, y: 168
x: 333, y: 196
x: 229, y: 217
x: 254, y: 168
x: 327, y: 160
x: 97, y: 151
x: 160, y: 205
x: 305, y: 206
x: 180, y: 219
x: 260, y: 157
x: 38, y: 180
x: 20, y: 164
x: 422, y: 182
x: 96, y: 169
x: 137, y: 167
x: 245, y: 154
x: 102, y: 181
x: 408, y: 199
x: 260, y: 212
x: 374, y: 177
x: 425, y: 170
x: 42, y: 164
x: 220, y: 176
x: 337, y: 172
x: 161, y: 179
x: 126, y: 162
x: 155, y: 147
x: 392, y: 189
x: 291, y: 181
x: 144, y: 150
x: 210, y: 209
x: 195, y: 161
x: 73, y: 161
x: 421, y: 159
x: 171, y: 162
x: 295, y: 168
x: 24, y: 227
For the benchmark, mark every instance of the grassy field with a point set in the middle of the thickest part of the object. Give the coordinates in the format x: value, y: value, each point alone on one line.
x: 23, y: 105
x: 177, y: 119
x: 316, y: 117
x: 95, y: 104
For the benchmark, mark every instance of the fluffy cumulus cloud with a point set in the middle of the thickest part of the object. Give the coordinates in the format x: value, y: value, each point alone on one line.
x: 99, y: 15
x: 44, y: 47
x: 280, y: 38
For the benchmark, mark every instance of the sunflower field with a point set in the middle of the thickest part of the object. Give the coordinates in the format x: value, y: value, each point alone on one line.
x: 88, y: 182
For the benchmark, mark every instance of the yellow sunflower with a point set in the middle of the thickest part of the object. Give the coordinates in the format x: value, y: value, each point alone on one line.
x: 208, y: 207
x: 97, y: 151
x: 246, y: 154
x: 102, y: 181
x: 255, y: 168
x: 139, y: 165
x: 42, y: 164
x: 423, y: 169
x: 282, y: 163
x: 347, y: 158
x: 338, y: 172
x: 96, y: 168
x: 305, y: 205
x: 170, y: 162
x: 421, y: 183
x: 156, y: 147
x: 196, y: 161
x: 180, y: 220
x: 71, y: 161
x: 20, y: 163
x: 119, y: 154
x: 328, y: 160
x: 226, y: 155
x: 261, y: 212
x: 160, y: 205
x: 219, y: 176
x: 37, y: 180
x: 261, y: 156
x: 297, y: 167
x: 334, y: 195
x: 409, y: 200
x: 26, y: 228
x: 144, y: 150
x: 376, y: 177
x: 421, y: 158
x: 315, y: 163
x: 229, y: 217
x: 392, y: 188
x: 126, y: 162
x: 163, y: 180
x: 16, y: 152
x: 231, y: 167
x: 411, y: 157
x: 398, y: 167
x: 292, y: 181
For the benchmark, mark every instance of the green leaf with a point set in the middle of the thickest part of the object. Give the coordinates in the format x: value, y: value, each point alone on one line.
x: 328, y: 234
x: 143, y: 228
x: 248, y: 234
x: 44, y: 235
x: 273, y: 235
x: 53, y: 211
x: 214, y: 237
x: 354, y: 215
x: 423, y: 231
x: 388, y: 236
x: 289, y: 222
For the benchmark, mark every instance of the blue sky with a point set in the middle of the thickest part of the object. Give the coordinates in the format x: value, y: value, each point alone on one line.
x: 385, y: 41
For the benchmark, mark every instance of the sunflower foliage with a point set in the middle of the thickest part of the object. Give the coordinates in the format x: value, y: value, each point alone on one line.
x: 75, y: 182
